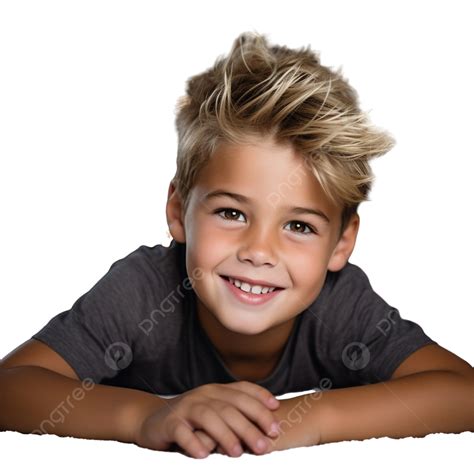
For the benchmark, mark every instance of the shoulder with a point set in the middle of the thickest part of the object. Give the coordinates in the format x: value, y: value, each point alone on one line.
x: 343, y: 288
x: 160, y: 258
x: 157, y: 266
x: 134, y: 287
x: 341, y: 306
x: 350, y: 274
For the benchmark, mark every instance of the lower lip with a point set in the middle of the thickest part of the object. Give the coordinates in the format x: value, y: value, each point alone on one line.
x: 250, y: 298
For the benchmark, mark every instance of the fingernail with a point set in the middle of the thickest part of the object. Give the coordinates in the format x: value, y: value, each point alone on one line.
x: 237, y: 450
x: 273, y: 429
x: 273, y: 401
x: 261, y: 444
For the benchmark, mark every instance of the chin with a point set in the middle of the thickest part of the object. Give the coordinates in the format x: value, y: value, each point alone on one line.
x: 249, y: 328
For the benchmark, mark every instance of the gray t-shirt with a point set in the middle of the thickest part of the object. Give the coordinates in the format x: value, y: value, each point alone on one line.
x: 137, y: 327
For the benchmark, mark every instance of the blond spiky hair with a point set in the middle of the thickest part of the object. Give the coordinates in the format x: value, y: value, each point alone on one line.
x: 261, y: 90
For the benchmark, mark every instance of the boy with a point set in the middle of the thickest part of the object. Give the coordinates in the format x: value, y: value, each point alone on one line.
x: 237, y: 310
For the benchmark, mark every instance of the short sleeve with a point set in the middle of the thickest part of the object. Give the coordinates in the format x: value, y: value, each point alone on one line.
x: 97, y: 335
x: 365, y: 338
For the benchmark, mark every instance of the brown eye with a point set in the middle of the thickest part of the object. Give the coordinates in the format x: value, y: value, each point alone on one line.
x: 302, y: 225
x: 229, y: 212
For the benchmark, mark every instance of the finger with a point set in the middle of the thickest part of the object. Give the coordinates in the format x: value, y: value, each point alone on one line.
x: 246, y: 431
x: 257, y: 391
x: 206, y: 440
x: 184, y: 436
x: 205, y: 417
x: 253, y: 409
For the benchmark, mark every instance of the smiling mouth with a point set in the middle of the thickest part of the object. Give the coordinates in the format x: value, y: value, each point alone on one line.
x: 228, y: 279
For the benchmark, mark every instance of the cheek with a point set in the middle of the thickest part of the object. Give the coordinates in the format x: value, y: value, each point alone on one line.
x: 306, y: 264
x: 310, y: 280
x: 205, y: 252
x: 308, y: 274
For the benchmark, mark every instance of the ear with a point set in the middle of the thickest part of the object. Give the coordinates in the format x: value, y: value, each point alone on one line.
x: 175, y: 214
x: 344, y: 247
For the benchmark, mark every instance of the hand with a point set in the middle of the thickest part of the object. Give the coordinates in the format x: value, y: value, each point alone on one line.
x: 214, y: 447
x: 222, y: 412
x: 300, y: 419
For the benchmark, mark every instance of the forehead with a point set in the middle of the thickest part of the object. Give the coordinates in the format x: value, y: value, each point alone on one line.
x: 267, y: 173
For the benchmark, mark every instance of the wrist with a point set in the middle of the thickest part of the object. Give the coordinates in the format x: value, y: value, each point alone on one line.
x: 301, y: 422
x: 134, y: 414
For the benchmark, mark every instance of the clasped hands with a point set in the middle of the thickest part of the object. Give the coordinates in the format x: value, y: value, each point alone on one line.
x: 227, y: 418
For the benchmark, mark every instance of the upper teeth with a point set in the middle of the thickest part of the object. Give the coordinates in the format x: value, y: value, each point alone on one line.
x: 256, y: 289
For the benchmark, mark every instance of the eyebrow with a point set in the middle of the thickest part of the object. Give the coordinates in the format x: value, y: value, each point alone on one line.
x: 246, y: 200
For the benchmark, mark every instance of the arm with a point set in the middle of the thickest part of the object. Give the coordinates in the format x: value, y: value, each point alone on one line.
x: 412, y: 404
x: 38, y: 400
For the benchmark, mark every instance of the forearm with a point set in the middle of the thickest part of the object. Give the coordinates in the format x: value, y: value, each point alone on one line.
x: 37, y: 400
x: 415, y: 405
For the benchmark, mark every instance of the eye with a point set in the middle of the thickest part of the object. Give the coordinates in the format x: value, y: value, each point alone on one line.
x: 218, y: 211
x: 235, y: 211
x: 303, y: 224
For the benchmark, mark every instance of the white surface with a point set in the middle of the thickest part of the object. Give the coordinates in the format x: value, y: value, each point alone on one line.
x: 53, y: 454
x: 88, y: 146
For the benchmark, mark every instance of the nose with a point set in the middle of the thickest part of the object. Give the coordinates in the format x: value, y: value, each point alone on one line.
x: 258, y: 247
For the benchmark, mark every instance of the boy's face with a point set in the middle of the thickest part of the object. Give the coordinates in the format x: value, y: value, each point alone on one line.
x: 261, y: 239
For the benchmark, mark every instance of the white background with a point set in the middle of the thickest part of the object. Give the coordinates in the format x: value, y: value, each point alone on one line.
x: 88, y: 146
